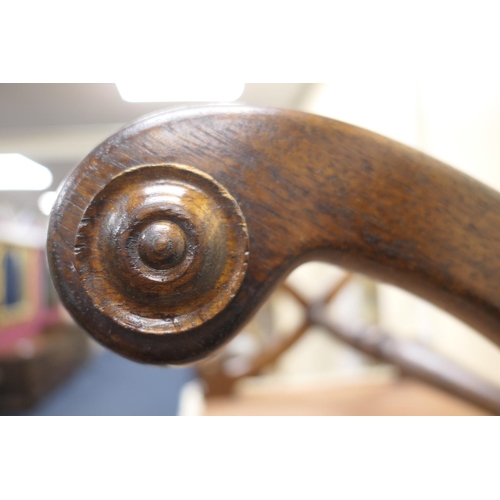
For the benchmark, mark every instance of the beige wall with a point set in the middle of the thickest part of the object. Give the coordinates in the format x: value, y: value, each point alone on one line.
x: 453, y: 115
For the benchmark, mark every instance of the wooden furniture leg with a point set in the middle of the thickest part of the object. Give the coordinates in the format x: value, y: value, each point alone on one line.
x: 169, y: 236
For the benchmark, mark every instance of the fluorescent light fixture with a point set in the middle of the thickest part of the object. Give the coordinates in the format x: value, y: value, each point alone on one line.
x: 18, y: 173
x: 180, y: 92
x: 46, y: 201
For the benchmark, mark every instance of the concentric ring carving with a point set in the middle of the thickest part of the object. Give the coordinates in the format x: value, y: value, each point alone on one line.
x: 162, y: 249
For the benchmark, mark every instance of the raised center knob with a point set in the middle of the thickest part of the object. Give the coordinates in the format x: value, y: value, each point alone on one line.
x: 162, y: 245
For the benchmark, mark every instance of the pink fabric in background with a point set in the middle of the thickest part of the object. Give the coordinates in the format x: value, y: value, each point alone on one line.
x: 43, y: 316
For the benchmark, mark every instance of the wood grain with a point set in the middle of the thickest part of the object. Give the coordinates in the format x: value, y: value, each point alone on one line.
x: 306, y: 187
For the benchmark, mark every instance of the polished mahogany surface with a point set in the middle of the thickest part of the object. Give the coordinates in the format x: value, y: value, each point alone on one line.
x: 169, y: 236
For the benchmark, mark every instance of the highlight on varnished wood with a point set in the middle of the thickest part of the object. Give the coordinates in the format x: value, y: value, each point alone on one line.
x: 168, y: 237
x: 161, y: 249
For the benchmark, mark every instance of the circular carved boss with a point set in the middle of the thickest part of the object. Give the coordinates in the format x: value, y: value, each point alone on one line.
x: 162, y: 249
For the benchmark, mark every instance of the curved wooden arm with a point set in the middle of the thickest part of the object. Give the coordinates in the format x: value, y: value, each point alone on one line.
x: 169, y: 235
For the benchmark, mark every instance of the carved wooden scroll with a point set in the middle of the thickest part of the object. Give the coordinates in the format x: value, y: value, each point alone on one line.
x: 168, y: 237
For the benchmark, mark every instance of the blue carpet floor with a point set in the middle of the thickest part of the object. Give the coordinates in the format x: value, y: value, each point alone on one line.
x: 111, y: 385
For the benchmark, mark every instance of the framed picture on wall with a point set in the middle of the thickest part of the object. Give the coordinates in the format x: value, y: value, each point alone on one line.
x: 18, y: 278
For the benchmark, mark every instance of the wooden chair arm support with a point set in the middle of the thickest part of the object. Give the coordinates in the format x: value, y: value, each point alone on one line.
x: 168, y: 237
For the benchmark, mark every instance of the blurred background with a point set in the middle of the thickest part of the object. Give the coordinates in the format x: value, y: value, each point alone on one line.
x: 281, y: 363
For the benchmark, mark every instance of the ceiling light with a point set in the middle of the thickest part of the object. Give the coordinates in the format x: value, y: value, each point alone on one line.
x: 18, y: 173
x: 46, y: 202
x: 180, y: 92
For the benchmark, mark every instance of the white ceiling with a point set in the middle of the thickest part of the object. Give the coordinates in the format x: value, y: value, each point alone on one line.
x: 57, y: 125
